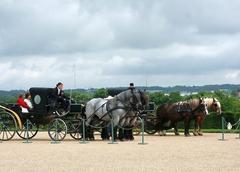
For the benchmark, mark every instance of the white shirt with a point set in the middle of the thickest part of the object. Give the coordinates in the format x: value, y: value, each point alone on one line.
x: 59, y: 91
x: 29, y: 103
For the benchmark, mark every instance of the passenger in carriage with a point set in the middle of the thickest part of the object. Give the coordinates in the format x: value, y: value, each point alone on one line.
x: 25, y: 104
x: 27, y: 100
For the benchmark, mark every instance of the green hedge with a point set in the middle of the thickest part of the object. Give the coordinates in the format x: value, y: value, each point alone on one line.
x: 214, y: 121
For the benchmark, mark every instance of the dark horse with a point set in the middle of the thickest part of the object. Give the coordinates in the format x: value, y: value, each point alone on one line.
x: 168, y: 115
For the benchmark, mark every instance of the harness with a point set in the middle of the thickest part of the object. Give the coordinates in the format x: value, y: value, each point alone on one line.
x: 124, y: 106
x: 189, y: 109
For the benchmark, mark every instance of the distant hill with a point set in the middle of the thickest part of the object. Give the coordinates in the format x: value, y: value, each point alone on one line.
x: 10, y: 96
x: 189, y: 89
x: 6, y: 95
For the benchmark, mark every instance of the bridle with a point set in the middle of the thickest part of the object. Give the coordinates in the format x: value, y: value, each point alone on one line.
x: 202, y: 106
x: 135, y: 100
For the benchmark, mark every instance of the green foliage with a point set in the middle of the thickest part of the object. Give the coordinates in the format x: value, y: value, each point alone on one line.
x: 10, y: 99
x: 175, y: 97
x: 158, y: 98
x: 81, y: 96
x: 101, y: 93
x: 230, y: 103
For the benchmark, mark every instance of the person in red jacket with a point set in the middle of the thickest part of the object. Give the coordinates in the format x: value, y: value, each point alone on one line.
x: 22, y: 103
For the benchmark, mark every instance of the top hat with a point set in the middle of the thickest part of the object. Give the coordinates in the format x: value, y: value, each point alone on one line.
x: 131, y: 85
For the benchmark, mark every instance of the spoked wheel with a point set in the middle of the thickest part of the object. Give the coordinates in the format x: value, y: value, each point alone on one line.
x: 150, y: 125
x: 8, y: 126
x: 62, y: 112
x: 28, y: 131
x: 76, y: 130
x: 57, y: 129
x: 137, y: 128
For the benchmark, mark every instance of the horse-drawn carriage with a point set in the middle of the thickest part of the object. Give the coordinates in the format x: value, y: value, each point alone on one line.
x: 46, y: 111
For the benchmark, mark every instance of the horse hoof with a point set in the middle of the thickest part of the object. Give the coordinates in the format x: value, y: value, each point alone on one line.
x: 187, y: 135
x: 195, y: 134
x: 161, y: 133
x: 177, y: 134
x: 200, y: 134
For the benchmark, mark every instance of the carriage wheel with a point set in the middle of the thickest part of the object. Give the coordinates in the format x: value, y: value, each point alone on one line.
x: 28, y: 131
x: 62, y: 112
x: 150, y: 125
x: 8, y: 126
x: 76, y: 136
x: 76, y: 130
x: 137, y: 128
x: 57, y: 129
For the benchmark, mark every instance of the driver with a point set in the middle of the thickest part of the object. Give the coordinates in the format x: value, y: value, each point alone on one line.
x: 60, y: 97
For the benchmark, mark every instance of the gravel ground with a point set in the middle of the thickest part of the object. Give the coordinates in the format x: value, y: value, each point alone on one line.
x: 169, y: 153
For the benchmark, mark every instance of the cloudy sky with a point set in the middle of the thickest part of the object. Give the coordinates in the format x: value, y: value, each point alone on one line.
x: 112, y: 43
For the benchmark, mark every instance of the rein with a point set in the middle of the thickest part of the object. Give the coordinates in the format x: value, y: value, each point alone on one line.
x: 198, y: 108
x: 194, y: 110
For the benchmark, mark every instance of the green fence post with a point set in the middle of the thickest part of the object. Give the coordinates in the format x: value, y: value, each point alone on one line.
x: 112, y: 139
x: 27, y: 140
x: 142, y: 130
x: 83, y: 133
x: 238, y: 129
x: 223, y: 129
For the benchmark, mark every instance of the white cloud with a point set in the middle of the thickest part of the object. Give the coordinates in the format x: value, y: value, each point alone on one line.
x: 112, y: 43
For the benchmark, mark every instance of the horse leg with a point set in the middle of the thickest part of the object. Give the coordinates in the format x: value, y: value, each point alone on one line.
x: 195, y: 131
x: 87, y: 132
x: 131, y: 137
x: 115, y: 133
x: 176, y: 129
x: 200, y: 126
x: 105, y: 133
x: 186, y: 126
x: 120, y: 134
x: 162, y: 132
x: 91, y: 133
x: 159, y: 127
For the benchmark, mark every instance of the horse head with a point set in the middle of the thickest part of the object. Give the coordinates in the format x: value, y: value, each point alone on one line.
x: 144, y: 99
x: 135, y: 99
x: 203, y: 106
x: 216, y: 106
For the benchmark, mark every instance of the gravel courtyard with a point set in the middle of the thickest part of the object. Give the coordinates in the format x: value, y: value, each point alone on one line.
x: 170, y: 153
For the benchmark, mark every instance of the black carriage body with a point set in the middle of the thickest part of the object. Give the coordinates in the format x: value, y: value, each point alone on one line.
x: 42, y: 100
x: 45, y: 112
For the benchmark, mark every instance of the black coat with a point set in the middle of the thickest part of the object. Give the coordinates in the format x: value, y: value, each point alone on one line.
x: 60, y: 95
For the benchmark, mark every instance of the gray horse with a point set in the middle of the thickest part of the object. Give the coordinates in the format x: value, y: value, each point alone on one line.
x: 100, y: 110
